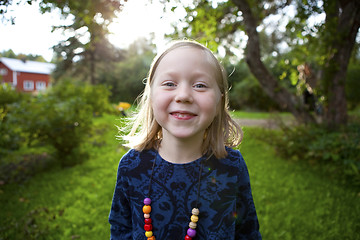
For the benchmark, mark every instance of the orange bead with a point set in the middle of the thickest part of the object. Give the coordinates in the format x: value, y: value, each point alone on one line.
x: 147, y: 209
x: 151, y: 238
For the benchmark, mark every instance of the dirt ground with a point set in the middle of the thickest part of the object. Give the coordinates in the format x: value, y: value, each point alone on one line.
x: 266, y: 123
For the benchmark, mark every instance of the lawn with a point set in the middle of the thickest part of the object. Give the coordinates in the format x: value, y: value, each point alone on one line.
x: 261, y: 115
x: 293, y: 201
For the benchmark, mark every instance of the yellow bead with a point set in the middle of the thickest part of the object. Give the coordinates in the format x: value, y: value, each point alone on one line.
x: 194, y: 218
x: 192, y: 225
x: 147, y: 209
x: 148, y: 234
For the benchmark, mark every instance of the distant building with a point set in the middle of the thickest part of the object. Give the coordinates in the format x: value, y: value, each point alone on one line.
x: 26, y: 76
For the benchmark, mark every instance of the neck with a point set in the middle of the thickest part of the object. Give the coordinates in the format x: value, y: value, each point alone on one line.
x: 180, y: 150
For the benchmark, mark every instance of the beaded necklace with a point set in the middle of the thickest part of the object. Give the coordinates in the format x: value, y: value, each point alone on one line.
x: 191, y: 232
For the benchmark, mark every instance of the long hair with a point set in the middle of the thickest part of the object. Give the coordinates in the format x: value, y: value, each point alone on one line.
x: 146, y: 133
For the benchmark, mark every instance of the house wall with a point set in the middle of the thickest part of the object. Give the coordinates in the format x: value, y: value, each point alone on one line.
x: 37, y: 80
x: 5, y: 74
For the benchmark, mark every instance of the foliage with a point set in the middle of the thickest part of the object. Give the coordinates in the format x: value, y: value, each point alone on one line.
x: 303, y: 29
x: 248, y: 95
x: 126, y: 78
x: 61, y: 117
x: 293, y: 201
x: 353, y: 86
x: 62, y: 124
x: 9, y: 137
x: 336, y: 151
x: 32, y: 57
x: 96, y: 96
x: 87, y: 45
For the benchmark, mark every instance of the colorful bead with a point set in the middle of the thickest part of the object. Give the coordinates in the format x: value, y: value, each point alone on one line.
x: 147, y: 220
x: 194, y: 218
x: 151, y: 238
x: 147, y: 201
x: 192, y: 225
x: 147, y: 227
x: 187, y: 237
x: 191, y: 232
x: 195, y: 211
x: 148, y: 234
x: 147, y: 209
x: 146, y: 215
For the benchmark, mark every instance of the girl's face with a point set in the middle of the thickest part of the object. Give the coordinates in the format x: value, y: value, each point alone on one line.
x: 185, y: 96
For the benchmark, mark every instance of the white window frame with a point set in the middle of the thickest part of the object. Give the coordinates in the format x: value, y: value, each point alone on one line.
x: 3, y: 71
x: 40, y: 85
x: 28, y: 85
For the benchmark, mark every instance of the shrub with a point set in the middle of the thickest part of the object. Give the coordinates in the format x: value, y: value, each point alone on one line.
x: 10, y: 137
x: 248, y: 94
x: 61, y: 120
x: 338, y: 152
x: 96, y: 96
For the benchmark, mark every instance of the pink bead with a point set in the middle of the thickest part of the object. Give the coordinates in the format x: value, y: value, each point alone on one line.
x: 191, y: 232
x: 147, y: 201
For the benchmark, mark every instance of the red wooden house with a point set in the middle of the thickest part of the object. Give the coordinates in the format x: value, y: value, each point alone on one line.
x: 26, y: 75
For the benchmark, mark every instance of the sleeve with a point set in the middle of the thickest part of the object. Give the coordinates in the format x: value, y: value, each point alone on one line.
x: 120, y: 213
x: 247, y: 224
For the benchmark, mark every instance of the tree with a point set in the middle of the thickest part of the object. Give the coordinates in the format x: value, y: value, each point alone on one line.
x: 222, y: 23
x: 126, y: 78
x: 87, y: 44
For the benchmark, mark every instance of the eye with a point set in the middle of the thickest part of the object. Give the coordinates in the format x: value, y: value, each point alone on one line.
x: 168, y: 84
x: 200, y: 85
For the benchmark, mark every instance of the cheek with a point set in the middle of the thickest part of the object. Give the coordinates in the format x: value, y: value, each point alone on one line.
x: 159, y: 103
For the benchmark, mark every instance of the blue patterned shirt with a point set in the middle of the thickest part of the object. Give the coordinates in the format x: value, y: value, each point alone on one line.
x: 226, y: 205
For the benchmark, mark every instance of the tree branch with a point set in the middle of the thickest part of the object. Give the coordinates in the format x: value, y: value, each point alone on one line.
x: 268, y: 82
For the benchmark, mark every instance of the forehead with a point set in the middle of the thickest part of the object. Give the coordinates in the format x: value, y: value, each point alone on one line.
x: 183, y: 56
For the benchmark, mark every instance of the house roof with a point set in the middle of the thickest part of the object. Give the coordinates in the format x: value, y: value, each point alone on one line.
x: 28, y: 66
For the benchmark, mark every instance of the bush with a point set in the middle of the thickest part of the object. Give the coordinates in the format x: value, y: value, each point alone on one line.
x: 61, y: 117
x: 10, y: 138
x: 248, y: 94
x: 336, y: 151
x: 96, y: 96
x: 353, y: 86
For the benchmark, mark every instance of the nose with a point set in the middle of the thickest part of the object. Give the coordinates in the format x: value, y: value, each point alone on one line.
x: 184, y: 94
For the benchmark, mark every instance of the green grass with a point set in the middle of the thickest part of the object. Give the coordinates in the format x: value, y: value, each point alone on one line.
x: 292, y: 200
x: 70, y: 203
x: 260, y: 115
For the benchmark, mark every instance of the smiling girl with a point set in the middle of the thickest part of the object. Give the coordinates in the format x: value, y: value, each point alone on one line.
x: 182, y: 179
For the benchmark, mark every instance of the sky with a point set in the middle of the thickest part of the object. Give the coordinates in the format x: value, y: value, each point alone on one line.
x: 32, y: 34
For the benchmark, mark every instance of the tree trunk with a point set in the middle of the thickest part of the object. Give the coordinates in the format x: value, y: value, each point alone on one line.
x: 270, y: 85
x: 336, y: 67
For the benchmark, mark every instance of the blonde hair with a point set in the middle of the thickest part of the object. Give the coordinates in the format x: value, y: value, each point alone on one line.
x: 146, y: 133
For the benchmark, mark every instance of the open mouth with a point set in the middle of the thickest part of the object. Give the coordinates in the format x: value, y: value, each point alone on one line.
x: 183, y: 115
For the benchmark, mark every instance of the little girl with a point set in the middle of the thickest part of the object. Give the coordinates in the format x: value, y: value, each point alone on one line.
x: 182, y: 179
